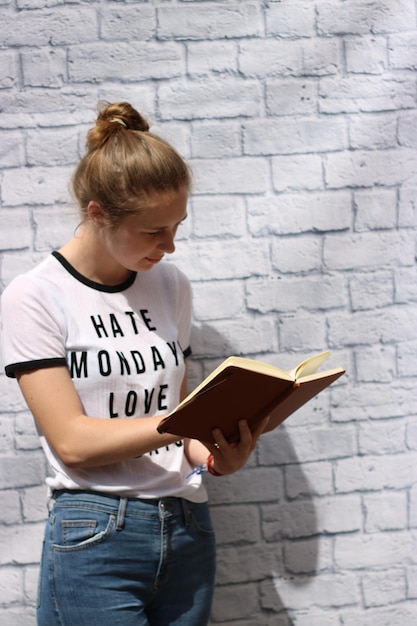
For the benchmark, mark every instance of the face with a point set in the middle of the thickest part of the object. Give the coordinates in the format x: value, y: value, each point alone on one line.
x: 140, y: 241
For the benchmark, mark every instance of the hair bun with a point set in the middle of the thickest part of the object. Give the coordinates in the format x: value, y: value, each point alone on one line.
x: 111, y: 119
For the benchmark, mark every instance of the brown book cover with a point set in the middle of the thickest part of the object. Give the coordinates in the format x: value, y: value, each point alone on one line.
x: 241, y: 388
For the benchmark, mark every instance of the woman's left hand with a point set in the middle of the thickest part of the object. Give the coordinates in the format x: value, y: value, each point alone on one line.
x: 231, y: 457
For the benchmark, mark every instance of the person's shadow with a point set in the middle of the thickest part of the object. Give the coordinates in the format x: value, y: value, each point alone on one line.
x: 263, y: 516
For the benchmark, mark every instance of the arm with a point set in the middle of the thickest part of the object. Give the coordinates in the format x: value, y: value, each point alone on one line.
x: 80, y: 440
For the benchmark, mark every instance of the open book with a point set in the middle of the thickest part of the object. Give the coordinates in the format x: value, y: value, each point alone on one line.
x: 241, y: 388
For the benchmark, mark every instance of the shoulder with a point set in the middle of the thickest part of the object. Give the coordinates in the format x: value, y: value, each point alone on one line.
x: 31, y: 285
x: 172, y: 276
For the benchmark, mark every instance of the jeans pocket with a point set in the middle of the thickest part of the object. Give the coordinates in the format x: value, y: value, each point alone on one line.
x: 200, y: 519
x: 78, y: 533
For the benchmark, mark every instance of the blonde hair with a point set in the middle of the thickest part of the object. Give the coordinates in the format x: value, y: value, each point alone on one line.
x: 124, y: 163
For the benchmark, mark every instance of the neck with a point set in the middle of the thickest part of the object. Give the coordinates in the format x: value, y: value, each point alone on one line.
x: 87, y: 255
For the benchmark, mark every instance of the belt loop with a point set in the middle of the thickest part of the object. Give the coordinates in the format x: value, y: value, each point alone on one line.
x: 121, y: 514
x: 185, y: 511
x: 51, y: 500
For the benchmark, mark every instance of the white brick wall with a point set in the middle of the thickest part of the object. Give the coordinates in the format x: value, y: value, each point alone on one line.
x: 299, y: 118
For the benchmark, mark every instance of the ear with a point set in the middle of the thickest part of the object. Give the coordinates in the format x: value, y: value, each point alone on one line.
x: 96, y: 212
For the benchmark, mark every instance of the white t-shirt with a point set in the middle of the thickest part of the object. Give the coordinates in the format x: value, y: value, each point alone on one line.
x: 124, y: 347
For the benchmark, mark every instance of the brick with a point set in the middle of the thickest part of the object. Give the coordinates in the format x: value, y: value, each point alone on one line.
x: 54, y: 226
x: 313, y: 592
x: 211, y: 140
x: 238, y: 175
x: 407, y: 130
x: 209, y: 22
x: 50, y: 27
x: 291, y: 255
x: 243, y: 602
x: 312, y: 479
x: 367, y: 250
x: 380, y: 588
x: 8, y: 69
x: 120, y: 23
x: 402, y: 50
x: 365, y: 93
x: 270, y: 57
x: 291, y: 96
x: 385, y: 511
x: 218, y: 300
x: 383, y: 616
x: 325, y: 292
x: 376, y: 364
x: 314, y: 444
x: 237, y: 488
x: 211, y: 98
x: 11, y: 509
x: 236, y: 524
x: 375, y: 211
x: 300, y: 213
x: 372, y: 401
x: 389, y: 324
x: 21, y: 544
x: 34, y: 501
x: 374, y: 473
x: 289, y: 136
x: 405, y: 284
x: 406, y: 363
x: 297, y: 332
x: 249, y: 563
x: 52, y: 147
x: 384, y: 437
x: 366, y: 55
x: 303, y: 518
x: 365, y: 169
x: 11, y: 586
x: 14, y: 229
x: 372, y: 290
x: 128, y: 61
x: 44, y: 67
x: 407, y: 214
x: 299, y: 21
x: 14, y: 475
x: 238, y: 336
x: 297, y: 172
x: 23, y: 616
x: 307, y: 556
x: 215, y: 259
x: 373, y: 131
x: 12, y: 150
x: 216, y: 217
x: 358, y: 17
x: 37, y: 185
x: 212, y: 57
x: 375, y: 550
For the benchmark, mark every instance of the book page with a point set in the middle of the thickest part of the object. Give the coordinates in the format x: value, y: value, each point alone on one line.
x: 311, y: 365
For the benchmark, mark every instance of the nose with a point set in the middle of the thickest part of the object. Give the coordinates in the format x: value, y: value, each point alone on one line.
x: 167, y: 242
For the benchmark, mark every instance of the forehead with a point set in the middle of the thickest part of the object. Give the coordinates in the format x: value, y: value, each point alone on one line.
x: 160, y: 209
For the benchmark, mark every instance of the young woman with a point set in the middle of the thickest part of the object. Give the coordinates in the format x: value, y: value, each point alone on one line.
x: 97, y: 336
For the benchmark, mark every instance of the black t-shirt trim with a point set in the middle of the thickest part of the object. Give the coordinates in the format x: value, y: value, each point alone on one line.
x: 91, y: 283
x: 27, y: 366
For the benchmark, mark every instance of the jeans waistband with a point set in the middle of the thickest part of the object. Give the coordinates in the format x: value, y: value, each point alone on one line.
x: 123, y: 506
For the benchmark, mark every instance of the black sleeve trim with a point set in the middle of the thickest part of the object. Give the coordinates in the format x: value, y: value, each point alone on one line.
x: 187, y: 352
x: 28, y: 366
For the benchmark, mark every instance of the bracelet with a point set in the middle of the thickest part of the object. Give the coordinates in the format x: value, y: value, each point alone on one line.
x: 210, y: 466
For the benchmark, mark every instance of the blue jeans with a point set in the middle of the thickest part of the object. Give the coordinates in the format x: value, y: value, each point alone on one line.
x: 110, y: 561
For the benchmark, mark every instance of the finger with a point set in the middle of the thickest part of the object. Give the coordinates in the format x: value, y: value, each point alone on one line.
x: 260, y: 427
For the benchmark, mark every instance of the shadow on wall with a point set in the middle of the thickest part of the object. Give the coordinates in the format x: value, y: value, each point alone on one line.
x: 264, y: 518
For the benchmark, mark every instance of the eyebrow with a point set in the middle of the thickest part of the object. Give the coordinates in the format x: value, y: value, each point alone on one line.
x: 164, y: 227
